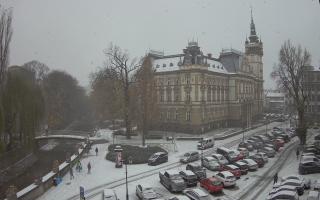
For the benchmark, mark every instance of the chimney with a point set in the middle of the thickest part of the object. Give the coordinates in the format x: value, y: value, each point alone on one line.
x: 209, y: 55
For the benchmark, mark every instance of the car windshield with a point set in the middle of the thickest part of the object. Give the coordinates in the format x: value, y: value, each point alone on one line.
x: 186, y: 155
x: 197, y: 168
x: 216, y: 182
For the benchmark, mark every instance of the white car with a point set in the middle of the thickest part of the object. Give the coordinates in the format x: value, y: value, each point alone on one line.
x: 306, y: 183
x: 178, y: 198
x: 109, y: 194
x: 227, y: 178
x: 283, y: 188
x: 289, y: 195
x: 211, y: 163
x: 220, y: 158
x: 197, y: 194
x: 251, y: 163
x: 145, y: 192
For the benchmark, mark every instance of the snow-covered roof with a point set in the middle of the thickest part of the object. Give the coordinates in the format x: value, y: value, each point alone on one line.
x: 226, y: 173
x: 233, y: 166
x: 200, y: 192
x: 188, y: 172
x: 167, y: 64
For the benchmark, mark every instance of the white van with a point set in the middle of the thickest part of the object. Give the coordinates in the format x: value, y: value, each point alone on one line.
x: 205, y: 143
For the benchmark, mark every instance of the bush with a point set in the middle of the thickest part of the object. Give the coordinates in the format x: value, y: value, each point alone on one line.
x: 138, y: 154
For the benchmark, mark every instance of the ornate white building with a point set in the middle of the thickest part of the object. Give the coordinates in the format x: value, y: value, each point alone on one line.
x: 198, y: 92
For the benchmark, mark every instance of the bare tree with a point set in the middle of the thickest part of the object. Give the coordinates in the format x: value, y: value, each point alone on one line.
x: 290, y: 77
x: 147, y: 96
x: 40, y: 70
x: 118, y: 62
x: 5, y: 38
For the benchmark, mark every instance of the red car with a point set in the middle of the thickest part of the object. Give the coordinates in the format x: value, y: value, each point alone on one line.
x: 233, y: 169
x: 279, y: 142
x: 212, y: 185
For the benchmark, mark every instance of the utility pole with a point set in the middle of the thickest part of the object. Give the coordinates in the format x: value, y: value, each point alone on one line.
x: 127, y: 194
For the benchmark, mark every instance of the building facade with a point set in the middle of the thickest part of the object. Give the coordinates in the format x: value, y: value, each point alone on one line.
x: 311, y: 84
x: 275, y: 102
x: 197, y: 92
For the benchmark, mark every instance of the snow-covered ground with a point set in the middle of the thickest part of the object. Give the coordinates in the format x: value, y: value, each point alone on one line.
x: 105, y: 175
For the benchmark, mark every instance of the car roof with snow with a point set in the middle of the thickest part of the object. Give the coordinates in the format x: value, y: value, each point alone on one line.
x: 209, y: 158
x: 187, y: 172
x: 250, y: 161
x: 145, y: 185
x: 172, y: 172
x: 159, y: 153
x: 218, y: 155
x: 180, y: 197
x: 232, y: 166
x: 226, y: 173
x: 283, y: 193
x: 200, y: 192
x: 241, y: 163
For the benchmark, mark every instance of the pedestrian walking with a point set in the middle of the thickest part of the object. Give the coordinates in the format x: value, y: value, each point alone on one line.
x: 96, y: 151
x: 275, y: 178
x: 71, y: 173
x: 297, y: 153
x: 89, y: 167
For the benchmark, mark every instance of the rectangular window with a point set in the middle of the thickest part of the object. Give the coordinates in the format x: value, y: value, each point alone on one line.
x: 177, y: 114
x: 188, y: 116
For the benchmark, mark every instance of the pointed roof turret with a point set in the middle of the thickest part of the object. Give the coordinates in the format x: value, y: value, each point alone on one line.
x: 253, y: 35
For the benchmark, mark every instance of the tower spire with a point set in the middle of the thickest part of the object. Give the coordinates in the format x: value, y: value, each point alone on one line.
x: 252, y: 25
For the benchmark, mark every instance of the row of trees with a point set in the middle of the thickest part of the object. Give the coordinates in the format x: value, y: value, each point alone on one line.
x: 32, y: 96
x: 125, y: 89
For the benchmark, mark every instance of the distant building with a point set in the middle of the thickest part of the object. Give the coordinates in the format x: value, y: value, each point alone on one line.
x: 311, y: 85
x: 275, y: 102
x: 199, y: 92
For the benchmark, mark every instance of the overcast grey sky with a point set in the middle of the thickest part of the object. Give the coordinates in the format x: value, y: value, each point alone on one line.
x: 71, y: 34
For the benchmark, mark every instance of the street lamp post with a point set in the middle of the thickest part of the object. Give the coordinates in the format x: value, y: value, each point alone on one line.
x: 127, y: 194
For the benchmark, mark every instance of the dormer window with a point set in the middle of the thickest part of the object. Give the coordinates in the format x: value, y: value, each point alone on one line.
x: 218, y: 66
x: 214, y: 66
x: 171, y: 64
x: 164, y: 65
x: 158, y: 66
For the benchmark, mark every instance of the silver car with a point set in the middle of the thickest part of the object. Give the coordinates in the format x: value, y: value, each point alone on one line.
x: 211, y: 164
x: 145, y: 192
x: 197, y: 194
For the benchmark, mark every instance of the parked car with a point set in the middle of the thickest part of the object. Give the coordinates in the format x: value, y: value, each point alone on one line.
x: 283, y: 188
x: 145, y: 192
x: 244, y: 152
x: 172, y: 180
x: 258, y: 160
x: 288, y: 195
x: 211, y: 163
x: 221, y: 159
x: 230, y: 155
x: 205, y: 143
x: 227, y: 178
x: 246, y: 145
x: 263, y: 156
x: 251, y: 164
x: 212, y: 185
x: 292, y: 182
x: 309, y: 158
x: 109, y: 194
x: 316, y: 185
x: 233, y: 169
x: 196, y: 194
x: 190, y: 157
x: 180, y: 197
x: 189, y: 177
x: 306, y: 182
x: 199, y: 171
x: 309, y: 167
x: 242, y: 166
x: 269, y: 151
x: 158, y: 158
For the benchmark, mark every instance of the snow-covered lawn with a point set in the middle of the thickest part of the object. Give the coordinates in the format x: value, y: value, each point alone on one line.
x: 103, y: 172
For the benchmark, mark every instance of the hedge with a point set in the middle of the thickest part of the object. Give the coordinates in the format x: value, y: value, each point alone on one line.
x: 138, y: 154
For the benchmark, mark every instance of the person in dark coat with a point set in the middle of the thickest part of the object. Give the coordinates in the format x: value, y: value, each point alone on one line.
x: 96, y: 151
x: 71, y: 173
x: 297, y: 153
x: 275, y: 178
x: 89, y: 167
